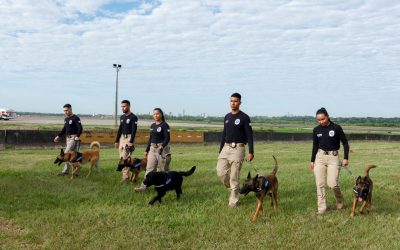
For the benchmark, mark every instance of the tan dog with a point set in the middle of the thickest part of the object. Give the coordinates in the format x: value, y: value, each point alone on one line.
x: 363, y: 191
x: 135, y: 166
x: 262, y: 185
x: 76, y: 159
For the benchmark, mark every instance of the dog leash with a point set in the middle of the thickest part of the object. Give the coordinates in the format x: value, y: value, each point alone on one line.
x: 79, y: 145
x: 345, y: 168
x: 254, y: 166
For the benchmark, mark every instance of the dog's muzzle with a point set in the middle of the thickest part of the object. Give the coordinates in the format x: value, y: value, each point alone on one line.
x: 244, y: 191
x: 58, y: 161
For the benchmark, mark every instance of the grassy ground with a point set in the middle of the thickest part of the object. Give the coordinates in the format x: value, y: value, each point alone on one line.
x: 40, y: 210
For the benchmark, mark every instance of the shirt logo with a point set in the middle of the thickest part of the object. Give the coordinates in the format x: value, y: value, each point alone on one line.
x: 70, y: 122
x: 332, y: 133
x: 237, y: 121
x: 226, y: 121
x: 128, y: 121
x: 319, y: 135
x: 159, y: 129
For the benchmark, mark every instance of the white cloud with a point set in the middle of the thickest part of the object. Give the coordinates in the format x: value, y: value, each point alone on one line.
x: 185, y: 52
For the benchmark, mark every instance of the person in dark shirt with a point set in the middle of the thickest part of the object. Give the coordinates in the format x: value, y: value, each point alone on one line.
x: 236, y: 134
x: 158, y: 151
x: 325, y: 160
x: 126, y: 135
x: 73, y: 130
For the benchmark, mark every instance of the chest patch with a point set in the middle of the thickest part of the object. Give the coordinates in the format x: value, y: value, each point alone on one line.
x: 159, y: 129
x: 70, y: 122
x: 237, y: 121
x: 332, y: 133
x: 128, y: 121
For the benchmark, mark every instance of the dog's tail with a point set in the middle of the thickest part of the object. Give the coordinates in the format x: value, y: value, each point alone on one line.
x: 188, y: 173
x: 95, y: 145
x: 276, y: 165
x: 367, y: 168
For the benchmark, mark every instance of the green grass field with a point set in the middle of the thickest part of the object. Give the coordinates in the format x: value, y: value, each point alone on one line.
x: 39, y: 210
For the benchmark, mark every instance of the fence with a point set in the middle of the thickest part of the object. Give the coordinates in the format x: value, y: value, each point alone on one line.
x: 43, y: 138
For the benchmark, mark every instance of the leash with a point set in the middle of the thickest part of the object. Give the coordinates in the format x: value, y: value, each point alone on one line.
x: 79, y: 145
x: 345, y: 168
x: 253, y: 165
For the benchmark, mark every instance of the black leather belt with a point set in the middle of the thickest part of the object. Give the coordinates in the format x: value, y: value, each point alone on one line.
x: 333, y: 152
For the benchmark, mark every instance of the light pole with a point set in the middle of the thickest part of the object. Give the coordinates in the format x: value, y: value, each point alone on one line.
x: 117, y: 67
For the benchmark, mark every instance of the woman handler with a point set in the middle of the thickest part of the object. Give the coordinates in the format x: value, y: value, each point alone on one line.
x: 158, y: 150
x: 325, y: 161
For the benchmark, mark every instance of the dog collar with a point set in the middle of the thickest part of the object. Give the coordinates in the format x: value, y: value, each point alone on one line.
x: 167, y: 181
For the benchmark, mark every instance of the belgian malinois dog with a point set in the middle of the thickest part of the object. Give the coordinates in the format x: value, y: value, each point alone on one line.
x: 363, y: 191
x: 262, y: 185
x: 135, y: 166
x: 166, y: 181
x: 76, y: 159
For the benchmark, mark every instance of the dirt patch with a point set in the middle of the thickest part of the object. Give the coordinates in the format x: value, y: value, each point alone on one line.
x: 12, y: 236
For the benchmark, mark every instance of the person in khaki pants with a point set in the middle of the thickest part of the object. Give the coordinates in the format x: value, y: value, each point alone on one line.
x: 158, y: 151
x: 325, y: 160
x: 236, y: 134
x: 72, y: 129
x: 126, y: 135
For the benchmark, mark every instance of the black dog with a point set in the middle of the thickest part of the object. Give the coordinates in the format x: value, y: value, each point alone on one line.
x: 166, y: 181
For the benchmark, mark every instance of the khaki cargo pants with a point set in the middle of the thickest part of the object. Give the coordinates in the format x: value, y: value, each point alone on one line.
x: 123, y: 140
x: 154, y: 159
x: 229, y: 163
x: 72, y: 145
x: 326, y: 171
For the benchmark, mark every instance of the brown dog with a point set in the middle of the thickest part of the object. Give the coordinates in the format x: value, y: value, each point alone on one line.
x: 262, y: 185
x: 135, y: 166
x: 76, y: 159
x: 363, y: 191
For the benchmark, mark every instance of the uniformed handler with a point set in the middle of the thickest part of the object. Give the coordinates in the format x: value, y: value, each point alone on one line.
x: 126, y: 134
x: 236, y: 134
x: 325, y: 161
x: 158, y: 151
x: 73, y: 129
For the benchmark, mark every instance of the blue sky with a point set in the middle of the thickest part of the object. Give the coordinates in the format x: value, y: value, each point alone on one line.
x: 284, y: 57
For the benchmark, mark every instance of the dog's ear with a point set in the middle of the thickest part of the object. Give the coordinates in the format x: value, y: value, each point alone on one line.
x: 366, y: 181
x: 249, y: 176
x: 358, y: 180
x: 256, y: 177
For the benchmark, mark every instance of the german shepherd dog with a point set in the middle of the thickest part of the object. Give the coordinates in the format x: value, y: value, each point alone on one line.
x: 76, y: 159
x: 363, y: 191
x: 166, y: 181
x: 135, y: 166
x: 262, y: 185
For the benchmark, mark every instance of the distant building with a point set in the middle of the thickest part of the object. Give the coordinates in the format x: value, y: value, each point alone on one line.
x: 7, y: 113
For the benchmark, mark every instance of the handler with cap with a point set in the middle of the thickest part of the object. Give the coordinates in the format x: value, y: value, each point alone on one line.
x: 236, y: 134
